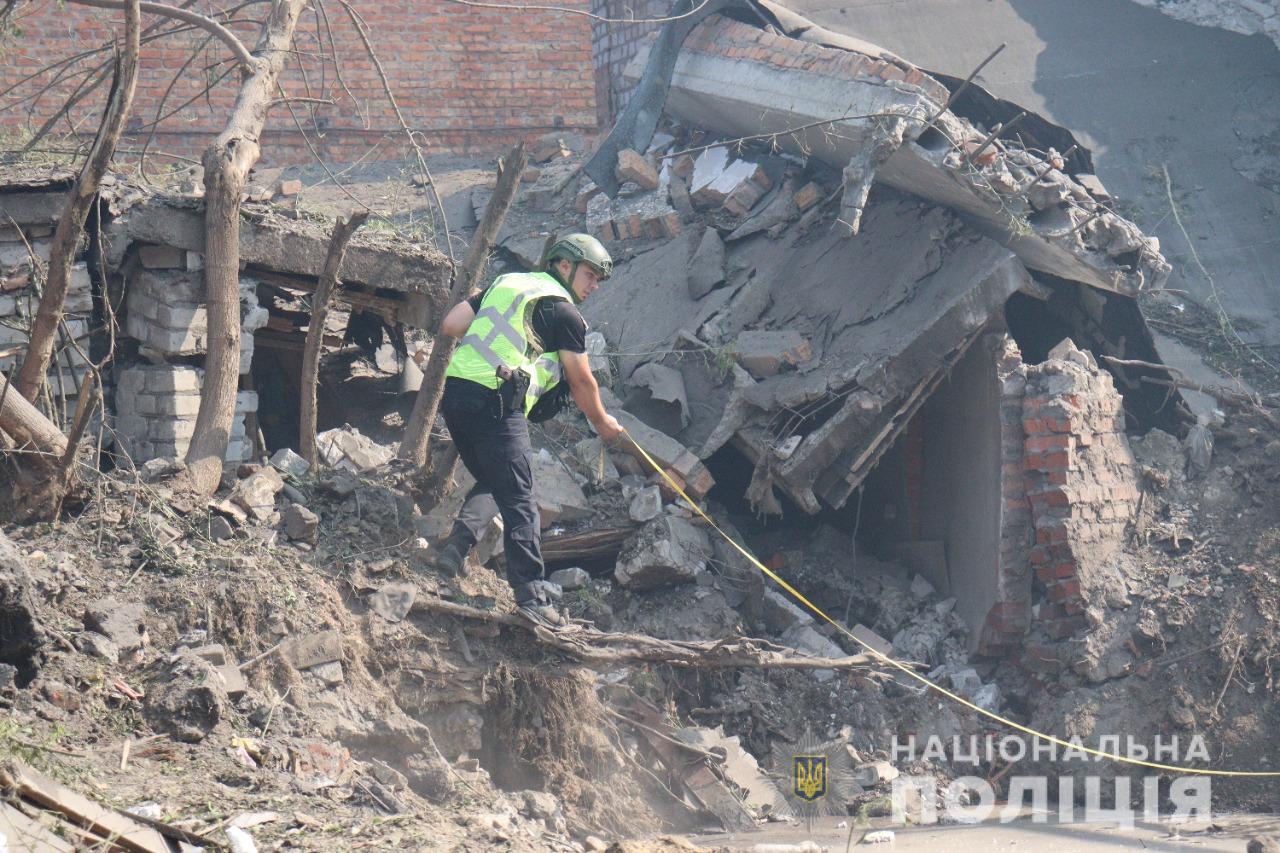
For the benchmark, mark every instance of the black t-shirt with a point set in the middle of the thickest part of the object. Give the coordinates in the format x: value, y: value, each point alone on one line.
x: 557, y: 324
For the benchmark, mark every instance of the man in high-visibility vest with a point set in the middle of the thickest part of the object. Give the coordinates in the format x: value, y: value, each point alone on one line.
x: 523, y: 350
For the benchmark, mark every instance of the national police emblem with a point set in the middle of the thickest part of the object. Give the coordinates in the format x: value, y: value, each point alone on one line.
x: 813, y: 776
x: 809, y: 777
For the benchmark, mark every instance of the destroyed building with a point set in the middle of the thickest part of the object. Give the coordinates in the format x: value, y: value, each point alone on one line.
x: 857, y: 310
x: 935, y: 374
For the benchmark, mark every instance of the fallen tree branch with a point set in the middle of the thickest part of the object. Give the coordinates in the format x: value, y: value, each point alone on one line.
x: 24, y: 423
x: 342, y: 232
x: 1177, y: 379
x: 222, y: 33
x: 599, y: 647
x: 414, y: 444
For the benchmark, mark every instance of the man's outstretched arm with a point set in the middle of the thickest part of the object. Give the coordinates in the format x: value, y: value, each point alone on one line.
x: 586, y: 393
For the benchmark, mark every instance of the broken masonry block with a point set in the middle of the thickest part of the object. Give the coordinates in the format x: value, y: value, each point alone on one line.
x: 665, y: 551
x: 763, y: 353
x: 646, y: 505
x: 530, y: 175
x: 584, y: 197
x: 633, y: 166
x: 715, y: 178
x: 162, y: 258
x: 807, y: 196
x: 743, y: 198
x: 305, y: 652
x: 549, y: 146
x: 289, y: 188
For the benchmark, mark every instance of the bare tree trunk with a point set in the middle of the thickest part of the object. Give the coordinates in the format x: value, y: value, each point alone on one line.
x: 44, y: 326
x: 342, y: 232
x: 416, y: 433
x: 25, y: 424
x: 227, y: 162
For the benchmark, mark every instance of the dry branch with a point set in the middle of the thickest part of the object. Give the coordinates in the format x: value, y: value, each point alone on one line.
x: 227, y: 162
x: 1176, y: 379
x: 222, y: 33
x: 342, y: 232
x: 510, y: 168
x: 71, y: 224
x: 25, y: 424
x: 599, y: 647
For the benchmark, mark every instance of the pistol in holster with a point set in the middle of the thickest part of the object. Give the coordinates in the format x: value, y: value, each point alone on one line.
x: 512, y: 388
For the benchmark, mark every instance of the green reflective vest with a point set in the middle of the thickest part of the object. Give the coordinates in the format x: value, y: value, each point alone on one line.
x: 500, y: 334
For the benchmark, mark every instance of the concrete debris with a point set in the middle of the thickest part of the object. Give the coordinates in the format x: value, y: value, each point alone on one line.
x: 879, y: 836
x: 288, y: 462
x: 256, y: 494
x: 875, y: 773
x: 665, y: 551
x: 310, y: 650
x: 646, y: 505
x: 300, y: 524
x: 706, y: 267
x: 648, y: 215
x: 921, y: 588
x: 765, y: 353
x: 346, y: 447
x: 188, y: 702
x: 393, y: 601
x: 761, y: 795
x: 596, y: 459
x: 122, y: 622
x: 665, y: 384
x: 557, y: 493
x: 570, y: 579
x: 805, y: 638
x: 720, y: 181
x: 549, y: 146
x: 96, y: 645
x: 666, y: 451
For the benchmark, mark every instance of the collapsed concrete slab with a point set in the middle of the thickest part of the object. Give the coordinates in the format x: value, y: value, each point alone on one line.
x: 416, y: 278
x: 879, y: 123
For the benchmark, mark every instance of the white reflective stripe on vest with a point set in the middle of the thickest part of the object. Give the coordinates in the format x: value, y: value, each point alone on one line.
x: 549, y: 364
x: 501, y: 324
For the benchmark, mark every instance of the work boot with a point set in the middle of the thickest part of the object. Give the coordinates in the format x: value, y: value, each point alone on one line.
x: 449, y: 561
x: 538, y: 605
x: 542, y: 614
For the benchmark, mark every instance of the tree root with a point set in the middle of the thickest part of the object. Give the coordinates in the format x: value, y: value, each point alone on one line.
x: 599, y: 647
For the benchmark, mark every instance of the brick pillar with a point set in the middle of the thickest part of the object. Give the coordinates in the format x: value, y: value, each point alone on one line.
x: 1007, y: 621
x: 1081, y: 484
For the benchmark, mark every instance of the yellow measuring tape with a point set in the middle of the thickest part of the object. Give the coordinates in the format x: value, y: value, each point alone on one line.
x: 917, y: 676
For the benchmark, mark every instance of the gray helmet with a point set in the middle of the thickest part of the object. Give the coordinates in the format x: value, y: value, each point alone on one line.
x: 582, y: 248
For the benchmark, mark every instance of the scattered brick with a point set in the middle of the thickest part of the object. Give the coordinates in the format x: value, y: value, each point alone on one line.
x: 634, y: 167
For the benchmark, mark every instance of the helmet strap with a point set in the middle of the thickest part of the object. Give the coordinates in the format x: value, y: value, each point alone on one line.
x: 573, y: 274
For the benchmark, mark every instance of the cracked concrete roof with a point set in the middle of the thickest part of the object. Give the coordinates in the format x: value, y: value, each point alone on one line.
x: 1141, y: 90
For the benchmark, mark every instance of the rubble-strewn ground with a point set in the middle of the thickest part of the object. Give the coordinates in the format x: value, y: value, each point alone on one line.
x: 429, y: 730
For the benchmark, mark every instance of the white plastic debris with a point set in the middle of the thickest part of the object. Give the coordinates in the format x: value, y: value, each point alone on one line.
x: 241, y: 841
x: 880, y: 836
x: 151, y: 811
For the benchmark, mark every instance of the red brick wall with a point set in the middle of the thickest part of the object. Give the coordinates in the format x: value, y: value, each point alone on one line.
x: 469, y: 80
x: 616, y: 43
x: 1082, y: 486
x: 1010, y: 616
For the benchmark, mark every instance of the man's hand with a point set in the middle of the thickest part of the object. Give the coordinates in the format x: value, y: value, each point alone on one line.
x: 609, y: 429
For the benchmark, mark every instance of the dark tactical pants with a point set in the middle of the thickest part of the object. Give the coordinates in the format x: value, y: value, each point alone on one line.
x: 494, y: 446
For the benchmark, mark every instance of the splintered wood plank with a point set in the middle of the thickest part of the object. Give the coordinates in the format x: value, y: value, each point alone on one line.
x: 22, y: 833
x: 124, y: 832
x: 590, y: 544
